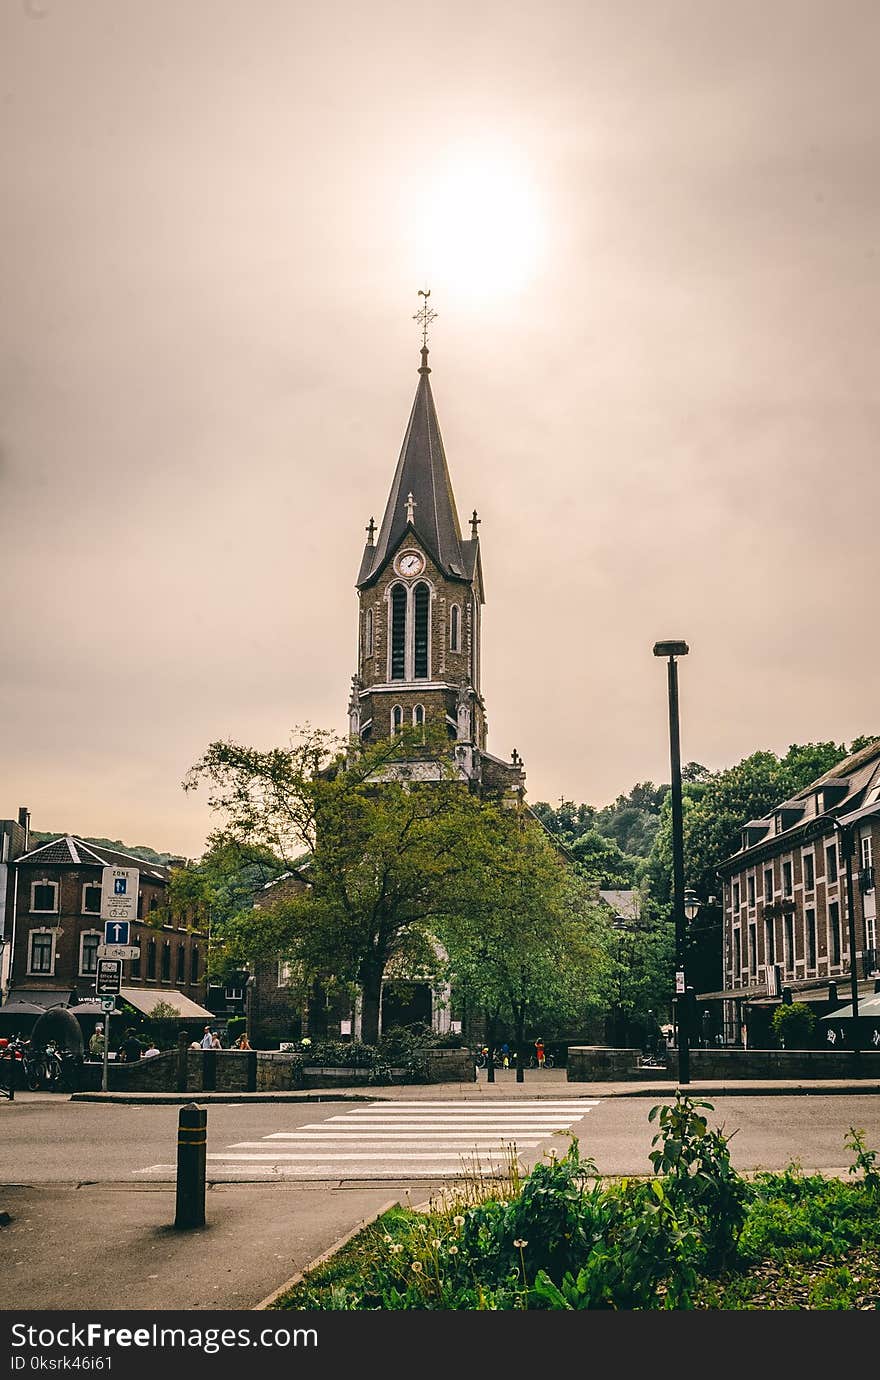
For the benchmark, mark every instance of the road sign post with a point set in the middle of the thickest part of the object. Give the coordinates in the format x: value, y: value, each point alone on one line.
x: 108, y: 980
x: 119, y: 898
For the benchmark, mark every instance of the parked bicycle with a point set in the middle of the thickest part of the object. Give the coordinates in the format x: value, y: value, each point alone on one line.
x: 52, y: 1069
x: 549, y: 1061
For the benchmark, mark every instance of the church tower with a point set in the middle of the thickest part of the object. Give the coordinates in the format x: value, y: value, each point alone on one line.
x: 421, y: 594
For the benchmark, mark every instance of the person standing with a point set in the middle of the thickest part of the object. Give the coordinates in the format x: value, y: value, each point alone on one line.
x: 539, y: 1052
x: 131, y: 1048
x: 207, y: 1040
x: 96, y: 1043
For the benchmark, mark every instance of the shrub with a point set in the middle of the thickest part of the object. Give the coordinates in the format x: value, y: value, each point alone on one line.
x: 235, y: 1026
x: 793, y: 1025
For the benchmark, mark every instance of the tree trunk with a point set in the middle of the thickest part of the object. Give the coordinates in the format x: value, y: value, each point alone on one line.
x: 371, y: 989
x: 491, y: 1022
x: 520, y: 1021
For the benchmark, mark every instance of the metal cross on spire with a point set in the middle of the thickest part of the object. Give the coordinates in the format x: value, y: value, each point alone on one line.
x: 425, y: 315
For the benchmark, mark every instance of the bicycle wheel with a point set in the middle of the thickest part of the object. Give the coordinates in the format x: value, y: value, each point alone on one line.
x: 34, y: 1073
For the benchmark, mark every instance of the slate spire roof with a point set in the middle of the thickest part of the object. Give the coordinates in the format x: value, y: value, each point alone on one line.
x: 423, y: 473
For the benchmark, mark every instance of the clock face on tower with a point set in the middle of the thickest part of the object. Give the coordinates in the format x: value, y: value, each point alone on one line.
x: 410, y: 563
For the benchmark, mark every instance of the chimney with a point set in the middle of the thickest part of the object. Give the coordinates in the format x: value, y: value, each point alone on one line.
x: 24, y: 819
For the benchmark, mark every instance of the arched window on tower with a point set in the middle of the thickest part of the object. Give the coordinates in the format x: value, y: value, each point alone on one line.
x: 398, y: 633
x: 368, y: 636
x: 396, y: 719
x: 419, y: 718
x: 421, y: 607
x: 455, y: 629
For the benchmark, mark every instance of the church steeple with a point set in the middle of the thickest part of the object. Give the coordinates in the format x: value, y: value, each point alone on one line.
x: 420, y: 591
x: 421, y: 496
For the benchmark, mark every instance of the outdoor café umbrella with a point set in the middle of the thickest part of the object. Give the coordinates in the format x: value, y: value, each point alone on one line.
x: 26, y: 1010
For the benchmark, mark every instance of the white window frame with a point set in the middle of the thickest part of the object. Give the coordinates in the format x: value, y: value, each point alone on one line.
x: 810, y: 853
x: 84, y: 934
x: 830, y: 930
x: 814, y: 966
x: 90, y: 886
x: 768, y: 871
x: 44, y: 881
x: 866, y: 851
x: 41, y: 972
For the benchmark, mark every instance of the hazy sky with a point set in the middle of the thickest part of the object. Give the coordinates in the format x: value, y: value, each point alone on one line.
x: 651, y: 234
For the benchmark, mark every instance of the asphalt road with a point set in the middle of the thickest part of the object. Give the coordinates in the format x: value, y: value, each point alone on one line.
x: 89, y: 1228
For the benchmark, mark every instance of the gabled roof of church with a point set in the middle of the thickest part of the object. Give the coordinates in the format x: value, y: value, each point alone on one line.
x: 421, y: 471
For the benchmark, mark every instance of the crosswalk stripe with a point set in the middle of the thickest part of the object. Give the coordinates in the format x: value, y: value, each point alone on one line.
x: 407, y: 1140
x: 325, y: 1158
x: 518, y: 1104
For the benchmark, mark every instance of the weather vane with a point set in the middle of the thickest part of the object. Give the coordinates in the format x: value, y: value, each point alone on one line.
x: 425, y: 315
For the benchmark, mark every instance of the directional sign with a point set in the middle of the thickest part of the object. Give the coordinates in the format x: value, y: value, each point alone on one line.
x: 117, y: 931
x: 119, y: 897
x: 108, y: 978
x: 121, y: 951
x: 108, y: 1004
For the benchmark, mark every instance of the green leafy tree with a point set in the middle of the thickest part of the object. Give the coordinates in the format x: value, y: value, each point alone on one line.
x: 382, y: 849
x: 525, y: 938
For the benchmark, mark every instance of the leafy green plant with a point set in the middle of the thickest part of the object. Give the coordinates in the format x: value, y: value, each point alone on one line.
x: 699, y: 1175
x: 865, y: 1162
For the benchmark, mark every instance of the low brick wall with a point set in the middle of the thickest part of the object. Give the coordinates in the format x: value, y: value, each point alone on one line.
x: 600, y: 1064
x: 597, y: 1064
x: 451, y: 1066
x: 233, y: 1070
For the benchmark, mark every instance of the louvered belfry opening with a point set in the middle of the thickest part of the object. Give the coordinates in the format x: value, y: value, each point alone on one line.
x: 421, y: 602
x: 398, y: 633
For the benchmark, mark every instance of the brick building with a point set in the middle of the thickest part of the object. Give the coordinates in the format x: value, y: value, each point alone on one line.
x: 786, y: 919
x: 57, y: 928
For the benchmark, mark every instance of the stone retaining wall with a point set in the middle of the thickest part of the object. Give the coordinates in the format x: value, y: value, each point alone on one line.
x: 597, y: 1064
x: 233, y: 1070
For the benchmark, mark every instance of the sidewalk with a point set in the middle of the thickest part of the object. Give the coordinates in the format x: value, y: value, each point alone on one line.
x: 550, y: 1083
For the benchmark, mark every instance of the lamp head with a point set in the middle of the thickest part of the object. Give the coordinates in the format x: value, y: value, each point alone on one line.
x: 691, y: 904
x: 670, y: 649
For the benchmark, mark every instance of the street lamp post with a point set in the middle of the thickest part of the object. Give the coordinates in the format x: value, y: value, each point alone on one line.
x: 847, y: 842
x: 672, y: 650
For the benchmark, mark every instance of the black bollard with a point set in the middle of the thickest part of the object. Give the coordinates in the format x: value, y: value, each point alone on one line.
x: 192, y: 1147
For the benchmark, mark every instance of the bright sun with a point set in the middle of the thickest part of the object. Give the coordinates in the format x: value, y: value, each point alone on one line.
x: 479, y: 223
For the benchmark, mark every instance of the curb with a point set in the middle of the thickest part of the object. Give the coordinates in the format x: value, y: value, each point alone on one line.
x: 763, y: 1088
x: 325, y: 1255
